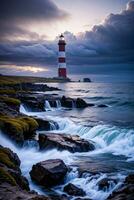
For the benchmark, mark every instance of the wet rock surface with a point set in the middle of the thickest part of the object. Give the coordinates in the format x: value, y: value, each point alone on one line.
x: 49, y: 173
x: 70, y: 103
x: 10, y: 169
x: 9, y: 192
x: 72, y: 143
x: 126, y: 191
x: 45, y: 124
x: 73, y: 190
x: 105, y: 183
x: 18, y: 128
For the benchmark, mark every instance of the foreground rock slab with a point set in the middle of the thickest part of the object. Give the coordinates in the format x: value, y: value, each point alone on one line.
x: 72, y: 143
x: 73, y: 190
x: 49, y: 173
x: 9, y: 192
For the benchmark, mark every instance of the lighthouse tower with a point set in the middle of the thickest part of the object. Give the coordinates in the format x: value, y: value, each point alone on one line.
x: 62, y: 72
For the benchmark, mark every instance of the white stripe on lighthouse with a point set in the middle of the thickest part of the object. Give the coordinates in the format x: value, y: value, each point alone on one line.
x: 62, y: 54
x: 62, y: 65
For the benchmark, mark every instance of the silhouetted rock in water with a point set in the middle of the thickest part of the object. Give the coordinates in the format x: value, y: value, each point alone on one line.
x: 126, y: 191
x: 49, y: 173
x: 72, y: 143
x: 69, y: 102
x: 86, y: 80
x: 80, y: 103
x: 73, y: 190
x: 91, y: 104
x: 105, y: 183
x: 102, y: 106
x: 45, y: 124
x: 66, y: 102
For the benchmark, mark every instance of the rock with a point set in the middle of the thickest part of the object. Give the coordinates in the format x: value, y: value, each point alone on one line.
x: 66, y: 102
x: 129, y: 179
x: 80, y: 103
x: 10, y: 169
x: 126, y: 191
x: 20, y: 180
x: 73, y: 190
x: 18, y: 128
x: 105, y: 183
x: 9, y: 192
x: 102, y: 106
x: 72, y: 143
x: 91, y: 104
x: 87, y: 80
x: 7, y: 110
x: 45, y: 124
x: 49, y: 173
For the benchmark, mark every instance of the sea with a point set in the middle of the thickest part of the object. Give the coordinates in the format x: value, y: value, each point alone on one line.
x: 110, y: 128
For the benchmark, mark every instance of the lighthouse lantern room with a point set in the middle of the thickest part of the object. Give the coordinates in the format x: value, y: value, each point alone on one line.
x: 62, y: 72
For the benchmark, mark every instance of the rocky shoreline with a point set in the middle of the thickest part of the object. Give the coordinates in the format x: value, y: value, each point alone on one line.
x: 20, y: 128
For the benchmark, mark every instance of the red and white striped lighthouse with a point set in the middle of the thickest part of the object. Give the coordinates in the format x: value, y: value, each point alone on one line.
x: 62, y: 72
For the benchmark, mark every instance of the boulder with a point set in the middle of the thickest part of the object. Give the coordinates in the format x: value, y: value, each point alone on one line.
x: 80, y: 103
x: 45, y: 124
x: 66, y: 102
x: 49, y: 173
x: 18, y: 128
x: 72, y: 143
x: 73, y: 190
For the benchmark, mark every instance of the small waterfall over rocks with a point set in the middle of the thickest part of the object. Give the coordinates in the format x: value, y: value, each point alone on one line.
x: 47, y: 106
x: 58, y: 104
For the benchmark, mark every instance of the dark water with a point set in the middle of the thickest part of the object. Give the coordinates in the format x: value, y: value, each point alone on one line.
x: 119, y: 97
x: 110, y: 128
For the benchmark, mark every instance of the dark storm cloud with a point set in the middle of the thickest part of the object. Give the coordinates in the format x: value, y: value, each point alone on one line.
x: 111, y: 43
x: 16, y: 14
x: 29, y: 10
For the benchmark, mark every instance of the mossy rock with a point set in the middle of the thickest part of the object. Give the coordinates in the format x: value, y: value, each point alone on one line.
x: 7, y: 91
x: 12, y: 157
x: 18, y: 128
x: 6, y: 177
x: 4, y: 159
x: 10, y: 101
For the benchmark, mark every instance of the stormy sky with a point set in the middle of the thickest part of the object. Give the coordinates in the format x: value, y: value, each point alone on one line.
x: 99, y: 35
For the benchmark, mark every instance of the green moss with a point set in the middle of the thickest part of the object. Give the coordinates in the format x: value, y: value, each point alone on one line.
x: 20, y: 127
x: 33, y: 124
x: 4, y: 159
x: 8, y: 92
x: 10, y: 101
x: 6, y: 177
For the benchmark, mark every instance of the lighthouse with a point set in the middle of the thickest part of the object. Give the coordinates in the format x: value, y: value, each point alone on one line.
x: 62, y: 72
